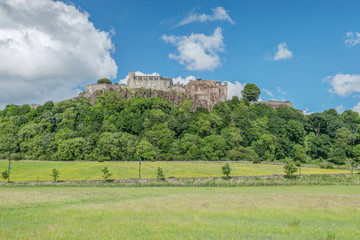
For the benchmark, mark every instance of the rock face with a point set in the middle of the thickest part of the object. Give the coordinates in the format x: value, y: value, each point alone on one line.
x: 277, y: 104
x: 204, y: 93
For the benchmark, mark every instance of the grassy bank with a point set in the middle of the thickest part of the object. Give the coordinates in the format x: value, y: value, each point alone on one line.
x: 40, y: 170
x: 299, y: 212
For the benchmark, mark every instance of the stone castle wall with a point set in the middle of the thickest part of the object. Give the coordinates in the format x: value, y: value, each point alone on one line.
x: 204, y: 93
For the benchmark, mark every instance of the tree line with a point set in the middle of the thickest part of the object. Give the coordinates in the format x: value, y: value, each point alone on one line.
x: 116, y: 129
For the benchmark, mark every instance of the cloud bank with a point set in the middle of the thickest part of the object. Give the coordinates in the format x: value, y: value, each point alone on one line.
x: 197, y: 51
x: 283, y: 52
x: 47, y: 48
x: 218, y: 14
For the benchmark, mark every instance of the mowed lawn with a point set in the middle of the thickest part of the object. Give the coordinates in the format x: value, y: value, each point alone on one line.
x: 41, y: 170
x: 282, y: 212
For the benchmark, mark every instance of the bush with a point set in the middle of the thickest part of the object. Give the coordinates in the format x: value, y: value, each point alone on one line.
x: 160, y: 173
x: 104, y: 80
x: 298, y: 163
x: 55, y: 174
x: 106, y: 173
x: 15, y: 156
x: 327, y: 165
x: 226, y: 170
x: 290, y: 169
x: 256, y: 160
x: 5, y: 174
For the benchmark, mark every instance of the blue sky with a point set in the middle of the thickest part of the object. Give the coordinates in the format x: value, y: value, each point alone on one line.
x: 317, y: 70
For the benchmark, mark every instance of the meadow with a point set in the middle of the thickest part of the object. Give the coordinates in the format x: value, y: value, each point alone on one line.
x: 41, y: 170
x: 281, y: 212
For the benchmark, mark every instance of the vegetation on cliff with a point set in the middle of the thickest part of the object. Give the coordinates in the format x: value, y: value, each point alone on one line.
x: 119, y: 130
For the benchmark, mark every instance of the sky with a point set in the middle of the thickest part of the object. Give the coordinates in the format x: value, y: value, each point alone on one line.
x: 307, y: 52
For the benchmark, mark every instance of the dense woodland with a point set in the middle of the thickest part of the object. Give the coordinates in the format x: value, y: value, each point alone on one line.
x: 119, y: 130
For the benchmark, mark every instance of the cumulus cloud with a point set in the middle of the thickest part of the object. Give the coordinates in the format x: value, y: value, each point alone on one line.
x: 340, y: 109
x: 234, y: 89
x: 47, y: 50
x: 344, y: 84
x: 197, y: 51
x: 356, y: 108
x: 352, y: 39
x: 283, y: 52
x: 182, y: 80
x: 218, y: 13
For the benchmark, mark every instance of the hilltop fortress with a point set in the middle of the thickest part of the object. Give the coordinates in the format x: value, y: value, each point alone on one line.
x: 204, y: 93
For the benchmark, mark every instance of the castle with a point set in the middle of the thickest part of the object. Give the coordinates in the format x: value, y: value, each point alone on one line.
x: 204, y: 93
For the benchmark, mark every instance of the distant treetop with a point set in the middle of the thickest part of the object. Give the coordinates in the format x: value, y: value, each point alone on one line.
x: 104, y: 80
x: 251, y: 92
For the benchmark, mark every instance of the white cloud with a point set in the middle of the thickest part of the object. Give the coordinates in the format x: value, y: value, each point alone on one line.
x: 278, y: 89
x: 219, y: 13
x: 340, y: 109
x: 283, y: 52
x: 352, y: 39
x: 182, y: 80
x: 306, y: 111
x: 356, y: 108
x: 234, y: 89
x: 47, y: 49
x: 268, y: 93
x: 344, y: 84
x: 197, y: 51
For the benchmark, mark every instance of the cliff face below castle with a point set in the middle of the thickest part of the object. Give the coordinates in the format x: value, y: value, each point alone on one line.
x: 91, y: 92
x: 199, y: 98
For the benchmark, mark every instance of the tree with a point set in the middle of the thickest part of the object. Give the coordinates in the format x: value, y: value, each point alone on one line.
x: 55, y: 173
x: 104, y: 80
x: 337, y: 156
x: 226, y: 170
x: 106, y: 173
x: 160, y: 173
x: 251, y: 92
x: 290, y: 168
x: 5, y: 175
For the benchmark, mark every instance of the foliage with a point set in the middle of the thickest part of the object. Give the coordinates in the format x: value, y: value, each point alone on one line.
x: 106, y: 173
x: 251, y: 92
x: 5, y: 174
x: 226, y: 170
x: 160, y: 173
x: 121, y: 130
x: 55, y: 173
x: 290, y: 168
x: 327, y: 165
x: 104, y: 80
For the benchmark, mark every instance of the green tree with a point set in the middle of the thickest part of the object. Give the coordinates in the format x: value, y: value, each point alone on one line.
x: 55, y: 173
x: 5, y: 175
x: 160, y: 173
x: 290, y: 168
x: 226, y: 170
x: 251, y: 92
x: 147, y: 150
x: 104, y: 80
x: 106, y: 173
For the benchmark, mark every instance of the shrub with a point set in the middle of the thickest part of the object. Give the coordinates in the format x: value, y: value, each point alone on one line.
x: 5, y: 174
x: 290, y: 169
x: 104, y: 80
x: 327, y: 165
x: 226, y: 170
x: 298, y: 163
x: 15, y: 156
x: 55, y: 174
x: 256, y: 160
x: 160, y: 173
x: 106, y: 173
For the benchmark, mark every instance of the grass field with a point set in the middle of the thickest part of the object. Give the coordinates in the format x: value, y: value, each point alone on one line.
x: 299, y: 212
x: 41, y: 170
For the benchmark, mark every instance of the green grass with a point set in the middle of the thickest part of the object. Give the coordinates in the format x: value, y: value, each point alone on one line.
x: 41, y: 170
x: 282, y: 212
